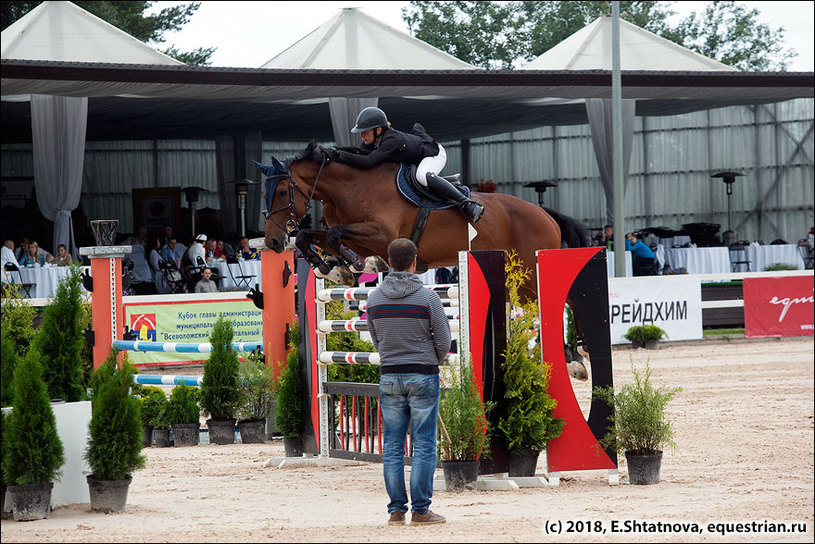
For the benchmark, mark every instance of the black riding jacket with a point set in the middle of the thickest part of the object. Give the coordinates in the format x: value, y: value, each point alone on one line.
x: 394, y: 146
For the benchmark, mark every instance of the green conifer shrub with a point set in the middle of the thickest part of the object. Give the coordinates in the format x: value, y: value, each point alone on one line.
x: 258, y: 389
x: 34, y: 452
x: 182, y: 406
x: 289, y: 414
x: 153, y: 400
x: 114, y: 448
x: 60, y: 340
x: 219, y: 385
x: 18, y: 320
x: 8, y: 362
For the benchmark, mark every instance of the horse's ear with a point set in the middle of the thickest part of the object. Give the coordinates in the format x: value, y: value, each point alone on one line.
x: 265, y: 169
x: 279, y: 166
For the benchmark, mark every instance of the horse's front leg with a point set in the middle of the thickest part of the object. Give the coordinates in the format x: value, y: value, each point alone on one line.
x: 335, y: 269
x: 339, y: 237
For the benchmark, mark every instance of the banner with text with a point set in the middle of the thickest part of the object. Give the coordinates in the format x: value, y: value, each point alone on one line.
x: 187, y: 321
x: 778, y: 306
x: 673, y: 304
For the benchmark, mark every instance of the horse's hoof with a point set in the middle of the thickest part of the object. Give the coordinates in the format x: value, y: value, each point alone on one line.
x: 375, y: 265
x: 346, y: 277
x: 577, y: 370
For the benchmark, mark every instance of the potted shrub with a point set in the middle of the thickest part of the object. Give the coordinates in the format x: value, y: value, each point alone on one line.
x: 528, y: 424
x: 183, y: 415
x: 33, y: 452
x: 646, y: 336
x: 257, y: 397
x: 219, y: 385
x: 289, y: 411
x: 463, y: 436
x: 161, y: 425
x: 639, y: 425
x: 152, y: 401
x: 114, y: 449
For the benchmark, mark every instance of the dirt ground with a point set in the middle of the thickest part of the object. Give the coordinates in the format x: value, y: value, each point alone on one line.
x: 744, y: 430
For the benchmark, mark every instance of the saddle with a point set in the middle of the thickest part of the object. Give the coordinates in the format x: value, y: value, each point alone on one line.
x: 417, y: 194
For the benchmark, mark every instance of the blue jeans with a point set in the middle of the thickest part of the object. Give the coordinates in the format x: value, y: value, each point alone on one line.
x: 409, y: 399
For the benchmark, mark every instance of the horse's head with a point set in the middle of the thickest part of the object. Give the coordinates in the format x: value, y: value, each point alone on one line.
x: 286, y: 202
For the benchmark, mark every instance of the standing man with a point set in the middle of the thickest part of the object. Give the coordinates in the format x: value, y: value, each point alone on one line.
x: 409, y: 329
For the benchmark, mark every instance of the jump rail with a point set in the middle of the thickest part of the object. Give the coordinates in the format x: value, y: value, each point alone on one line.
x: 179, y: 347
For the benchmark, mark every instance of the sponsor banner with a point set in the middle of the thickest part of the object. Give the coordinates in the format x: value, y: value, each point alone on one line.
x: 158, y: 319
x: 778, y: 306
x: 673, y: 304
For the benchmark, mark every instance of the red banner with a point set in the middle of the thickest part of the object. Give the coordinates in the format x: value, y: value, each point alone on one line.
x: 778, y: 306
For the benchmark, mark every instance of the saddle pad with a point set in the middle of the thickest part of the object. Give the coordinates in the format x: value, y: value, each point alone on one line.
x: 414, y: 197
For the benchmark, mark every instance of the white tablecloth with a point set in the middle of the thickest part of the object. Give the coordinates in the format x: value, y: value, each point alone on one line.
x: 46, y: 279
x: 699, y: 260
x: 249, y: 268
x: 761, y: 257
x: 610, y: 264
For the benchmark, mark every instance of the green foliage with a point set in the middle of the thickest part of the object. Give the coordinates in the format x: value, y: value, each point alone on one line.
x: 130, y: 17
x: 258, y: 389
x: 114, y: 448
x: 779, y: 266
x: 17, y: 319
x: 289, y: 414
x: 3, y: 443
x: 640, y: 333
x: 182, y: 407
x: 529, y: 423
x: 219, y: 386
x: 33, y: 450
x: 153, y: 404
x: 571, y: 330
x: 348, y: 341
x: 504, y: 35
x: 463, y: 432
x: 8, y: 362
x: 60, y: 339
x: 639, y: 424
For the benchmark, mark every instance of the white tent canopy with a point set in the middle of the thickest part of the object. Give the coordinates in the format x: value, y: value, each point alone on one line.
x: 352, y: 40
x: 640, y: 50
x: 62, y: 31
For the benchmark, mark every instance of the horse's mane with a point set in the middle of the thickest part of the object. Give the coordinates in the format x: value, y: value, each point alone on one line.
x: 311, y: 152
x: 572, y: 232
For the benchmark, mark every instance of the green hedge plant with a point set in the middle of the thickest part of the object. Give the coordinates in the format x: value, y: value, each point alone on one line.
x: 34, y: 453
x: 639, y: 334
x: 153, y: 401
x: 114, y: 449
x: 219, y: 385
x: 182, y: 406
x: 463, y: 429
x: 258, y: 389
x: 289, y: 412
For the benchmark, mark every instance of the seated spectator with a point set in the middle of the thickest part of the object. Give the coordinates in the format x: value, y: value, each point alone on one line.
x: 197, y: 249
x: 247, y: 252
x: 212, y: 250
x: 153, y: 257
x: 7, y: 256
x: 138, y: 239
x: 63, y: 258
x: 168, y: 234
x: 642, y: 258
x: 22, y: 250
x: 222, y: 249
x: 33, y: 256
x: 173, y: 251
x: 206, y: 285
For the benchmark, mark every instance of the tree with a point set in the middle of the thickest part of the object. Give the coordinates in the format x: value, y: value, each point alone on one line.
x: 504, y: 35
x: 129, y: 16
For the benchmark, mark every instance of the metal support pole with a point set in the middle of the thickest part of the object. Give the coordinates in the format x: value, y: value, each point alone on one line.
x: 617, y: 144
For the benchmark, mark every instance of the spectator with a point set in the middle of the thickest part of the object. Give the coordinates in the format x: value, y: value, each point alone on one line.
x: 205, y: 284
x: 139, y: 239
x: 33, y: 256
x: 168, y: 234
x: 7, y: 255
x: 22, y: 250
x: 63, y: 258
x: 642, y: 258
x: 212, y: 249
x: 607, y: 237
x: 151, y: 252
x: 172, y: 250
x: 197, y: 249
x: 248, y: 253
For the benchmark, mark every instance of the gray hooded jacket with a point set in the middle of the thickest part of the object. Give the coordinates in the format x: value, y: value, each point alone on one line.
x: 408, y: 325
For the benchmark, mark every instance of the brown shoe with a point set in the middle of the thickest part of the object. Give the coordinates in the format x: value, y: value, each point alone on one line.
x: 397, y: 518
x: 428, y: 518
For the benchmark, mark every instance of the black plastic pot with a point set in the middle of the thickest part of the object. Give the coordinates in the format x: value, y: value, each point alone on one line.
x: 162, y: 438
x: 31, y: 501
x: 185, y: 434
x: 221, y: 431
x: 108, y: 495
x: 147, y: 436
x: 293, y: 446
x: 644, y: 469
x: 523, y: 463
x: 252, y: 431
x: 460, y: 475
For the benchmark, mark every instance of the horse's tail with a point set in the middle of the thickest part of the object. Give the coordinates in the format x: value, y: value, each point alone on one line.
x: 572, y: 232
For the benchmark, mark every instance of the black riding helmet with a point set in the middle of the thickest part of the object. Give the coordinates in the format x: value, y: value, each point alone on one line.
x: 369, y: 118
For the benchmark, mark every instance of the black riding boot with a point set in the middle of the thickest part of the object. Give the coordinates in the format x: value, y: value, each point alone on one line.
x: 470, y: 209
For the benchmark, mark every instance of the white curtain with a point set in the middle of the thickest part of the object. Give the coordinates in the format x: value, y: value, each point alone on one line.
x: 58, y: 126
x: 599, y: 112
x: 344, y: 113
x: 234, y: 154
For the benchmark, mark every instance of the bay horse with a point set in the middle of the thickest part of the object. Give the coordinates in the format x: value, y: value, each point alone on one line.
x: 364, y: 212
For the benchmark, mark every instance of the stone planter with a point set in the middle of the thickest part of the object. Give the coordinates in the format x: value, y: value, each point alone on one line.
x: 31, y: 501
x: 221, y: 431
x: 108, y: 495
x: 185, y: 434
x: 252, y: 431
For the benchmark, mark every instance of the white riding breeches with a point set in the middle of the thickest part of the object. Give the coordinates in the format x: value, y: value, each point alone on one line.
x: 433, y: 164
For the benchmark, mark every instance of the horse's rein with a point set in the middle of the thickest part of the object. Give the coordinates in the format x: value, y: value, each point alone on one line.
x: 294, y: 219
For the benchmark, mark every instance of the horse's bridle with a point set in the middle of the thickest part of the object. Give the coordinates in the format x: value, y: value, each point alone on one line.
x: 293, y: 219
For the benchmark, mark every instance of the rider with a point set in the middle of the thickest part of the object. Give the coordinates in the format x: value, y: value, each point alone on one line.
x: 385, y: 143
